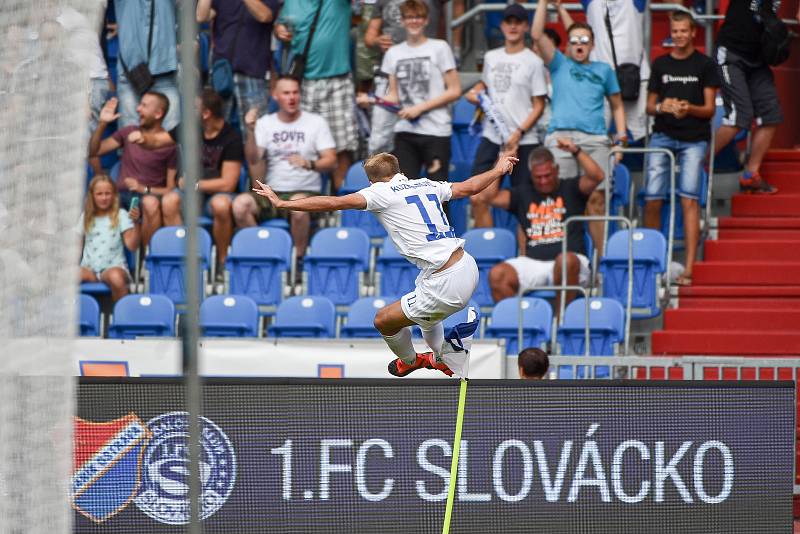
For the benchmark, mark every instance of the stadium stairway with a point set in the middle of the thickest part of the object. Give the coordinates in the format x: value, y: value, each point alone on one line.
x: 745, y: 295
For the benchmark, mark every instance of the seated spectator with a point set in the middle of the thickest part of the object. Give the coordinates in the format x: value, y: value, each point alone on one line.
x: 681, y: 95
x: 533, y: 364
x: 423, y: 80
x: 513, y: 78
x: 106, y: 228
x: 580, y: 88
x: 143, y: 170
x: 327, y: 80
x: 242, y: 33
x: 222, y: 154
x: 385, y: 30
x: 134, y: 33
x: 541, y: 207
x: 286, y: 150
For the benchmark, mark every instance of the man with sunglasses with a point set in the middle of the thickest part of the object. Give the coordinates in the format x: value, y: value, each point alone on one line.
x: 580, y: 89
x: 513, y: 77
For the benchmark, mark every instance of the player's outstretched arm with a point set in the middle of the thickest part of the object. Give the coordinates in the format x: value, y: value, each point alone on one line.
x: 354, y: 201
x: 476, y: 184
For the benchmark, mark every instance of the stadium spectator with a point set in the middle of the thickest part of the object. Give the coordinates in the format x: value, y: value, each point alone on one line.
x: 106, y: 228
x: 747, y: 87
x: 423, y: 80
x: 544, y: 121
x: 287, y: 150
x: 242, y: 33
x: 626, y: 18
x: 134, y: 23
x: 542, y: 206
x: 385, y: 30
x: 222, y: 155
x: 327, y: 82
x: 681, y: 96
x: 144, y: 170
x: 533, y: 364
x: 580, y: 88
x: 514, y: 79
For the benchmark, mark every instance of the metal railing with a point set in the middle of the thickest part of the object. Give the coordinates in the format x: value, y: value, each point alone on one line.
x: 563, y: 289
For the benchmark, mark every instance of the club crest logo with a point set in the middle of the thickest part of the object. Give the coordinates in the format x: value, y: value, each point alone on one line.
x: 164, y: 493
x: 107, y: 465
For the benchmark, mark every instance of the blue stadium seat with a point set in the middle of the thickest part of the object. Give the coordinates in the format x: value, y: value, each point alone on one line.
x: 143, y: 315
x: 463, y: 144
x: 397, y: 274
x: 461, y: 316
x: 620, y: 193
x: 537, y: 321
x: 355, y: 180
x: 336, y: 264
x: 165, y: 262
x: 258, y: 263
x: 101, y: 289
x: 89, y: 316
x: 489, y: 246
x: 649, y: 261
x: 305, y: 317
x: 281, y: 223
x: 361, y: 317
x: 229, y: 316
x: 606, y: 327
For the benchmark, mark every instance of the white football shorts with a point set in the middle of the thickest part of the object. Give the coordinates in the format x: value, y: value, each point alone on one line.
x: 442, y: 294
x: 536, y: 273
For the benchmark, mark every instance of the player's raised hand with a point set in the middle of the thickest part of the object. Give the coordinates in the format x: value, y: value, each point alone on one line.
x: 266, y: 191
x: 250, y: 118
x: 505, y: 163
x: 109, y: 111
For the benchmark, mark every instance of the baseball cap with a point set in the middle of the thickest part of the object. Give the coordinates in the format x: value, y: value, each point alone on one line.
x: 516, y: 11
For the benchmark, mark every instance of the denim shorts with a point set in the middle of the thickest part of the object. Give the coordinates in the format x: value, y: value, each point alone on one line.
x: 688, y: 155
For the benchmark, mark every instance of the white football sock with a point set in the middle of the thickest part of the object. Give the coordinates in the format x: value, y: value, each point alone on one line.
x: 434, y: 338
x: 401, y: 345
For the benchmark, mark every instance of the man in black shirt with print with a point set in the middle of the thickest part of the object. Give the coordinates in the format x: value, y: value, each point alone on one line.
x: 680, y: 94
x: 542, y: 206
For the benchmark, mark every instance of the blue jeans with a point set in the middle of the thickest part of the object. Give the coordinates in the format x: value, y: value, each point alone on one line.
x: 128, y: 100
x: 689, y: 156
x: 249, y: 93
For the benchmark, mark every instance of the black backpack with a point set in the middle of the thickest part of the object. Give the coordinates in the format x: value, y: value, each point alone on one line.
x: 776, y: 39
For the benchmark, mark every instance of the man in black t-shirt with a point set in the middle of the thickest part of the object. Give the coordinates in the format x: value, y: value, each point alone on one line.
x: 748, y: 87
x: 680, y: 94
x: 222, y: 154
x: 542, y: 206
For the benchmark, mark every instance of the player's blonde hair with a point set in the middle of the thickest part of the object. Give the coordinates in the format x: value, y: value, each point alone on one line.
x: 382, y: 165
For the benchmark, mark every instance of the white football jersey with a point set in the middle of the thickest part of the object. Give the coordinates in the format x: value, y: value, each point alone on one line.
x: 411, y: 211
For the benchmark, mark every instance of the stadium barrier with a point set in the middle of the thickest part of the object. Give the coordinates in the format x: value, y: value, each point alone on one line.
x: 365, y: 456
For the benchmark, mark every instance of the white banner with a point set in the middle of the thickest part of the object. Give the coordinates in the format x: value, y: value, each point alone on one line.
x: 329, y: 358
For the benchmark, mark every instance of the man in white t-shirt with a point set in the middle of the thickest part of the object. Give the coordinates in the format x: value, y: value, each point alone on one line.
x: 514, y: 79
x: 411, y: 211
x: 423, y: 80
x: 287, y: 149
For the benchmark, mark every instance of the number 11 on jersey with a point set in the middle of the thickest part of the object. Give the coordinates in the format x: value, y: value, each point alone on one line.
x: 435, y: 234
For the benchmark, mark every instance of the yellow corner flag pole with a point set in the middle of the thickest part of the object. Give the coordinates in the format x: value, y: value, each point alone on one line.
x: 451, y: 492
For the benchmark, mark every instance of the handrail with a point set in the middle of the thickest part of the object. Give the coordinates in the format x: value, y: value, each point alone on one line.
x: 562, y: 288
x: 629, y: 299
x: 671, y: 233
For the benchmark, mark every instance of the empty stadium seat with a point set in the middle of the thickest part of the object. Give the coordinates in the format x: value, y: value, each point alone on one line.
x: 361, y: 317
x: 143, y: 315
x: 649, y: 261
x: 229, y: 316
x: 463, y: 144
x: 89, y: 316
x: 336, y: 264
x: 305, y: 317
x: 165, y: 262
x: 537, y: 321
x: 606, y: 327
x: 259, y: 263
x: 620, y: 193
x: 396, y: 274
x: 489, y: 246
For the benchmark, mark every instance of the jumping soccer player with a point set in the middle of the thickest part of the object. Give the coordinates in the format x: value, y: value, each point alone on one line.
x: 411, y: 211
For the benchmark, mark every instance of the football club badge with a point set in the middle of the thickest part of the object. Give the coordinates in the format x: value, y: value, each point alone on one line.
x: 107, y: 465
x: 164, y: 495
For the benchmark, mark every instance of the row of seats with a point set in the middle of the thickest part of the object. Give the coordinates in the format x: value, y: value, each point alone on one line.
x: 315, y: 317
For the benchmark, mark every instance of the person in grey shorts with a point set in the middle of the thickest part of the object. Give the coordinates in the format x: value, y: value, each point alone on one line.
x: 748, y: 88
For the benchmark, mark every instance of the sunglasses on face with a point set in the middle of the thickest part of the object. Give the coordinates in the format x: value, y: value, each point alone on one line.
x: 583, y: 39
